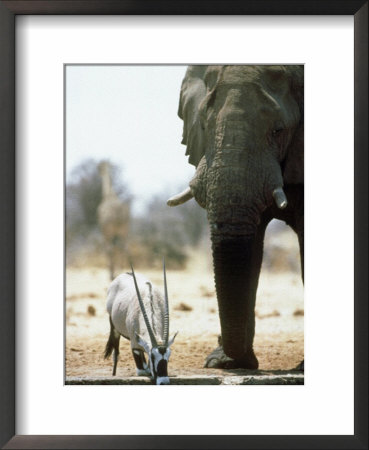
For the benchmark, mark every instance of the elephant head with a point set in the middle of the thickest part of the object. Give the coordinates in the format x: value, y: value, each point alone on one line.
x: 243, y: 128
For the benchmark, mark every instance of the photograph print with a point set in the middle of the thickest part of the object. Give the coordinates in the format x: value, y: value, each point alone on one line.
x: 184, y: 228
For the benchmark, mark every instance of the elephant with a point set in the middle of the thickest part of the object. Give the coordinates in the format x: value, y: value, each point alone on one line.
x: 243, y: 126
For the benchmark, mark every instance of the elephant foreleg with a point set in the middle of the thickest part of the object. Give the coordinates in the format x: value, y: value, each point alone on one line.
x: 297, y: 224
x: 300, y: 235
x: 294, y: 217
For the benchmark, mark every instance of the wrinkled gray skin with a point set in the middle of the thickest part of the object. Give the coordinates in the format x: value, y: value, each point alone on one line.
x: 243, y: 128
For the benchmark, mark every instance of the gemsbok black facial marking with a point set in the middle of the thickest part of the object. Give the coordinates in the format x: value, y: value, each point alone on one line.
x: 162, y: 368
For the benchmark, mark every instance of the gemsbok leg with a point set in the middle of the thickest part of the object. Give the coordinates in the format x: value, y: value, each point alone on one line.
x: 139, y: 357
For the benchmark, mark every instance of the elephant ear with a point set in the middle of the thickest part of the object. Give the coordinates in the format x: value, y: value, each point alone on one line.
x: 193, y: 91
x: 296, y: 74
x: 294, y: 165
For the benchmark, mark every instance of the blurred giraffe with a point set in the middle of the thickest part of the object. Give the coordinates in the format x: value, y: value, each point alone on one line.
x: 113, y: 217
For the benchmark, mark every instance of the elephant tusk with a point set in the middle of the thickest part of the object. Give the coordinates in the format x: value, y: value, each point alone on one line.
x: 180, y: 198
x: 280, y: 198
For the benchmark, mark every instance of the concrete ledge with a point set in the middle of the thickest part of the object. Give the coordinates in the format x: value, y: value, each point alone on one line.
x: 264, y: 379
x: 229, y: 380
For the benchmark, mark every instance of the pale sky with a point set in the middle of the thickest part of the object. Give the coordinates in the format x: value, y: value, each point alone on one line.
x: 128, y: 114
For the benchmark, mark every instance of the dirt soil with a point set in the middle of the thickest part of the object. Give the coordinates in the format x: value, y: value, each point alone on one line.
x: 279, y: 338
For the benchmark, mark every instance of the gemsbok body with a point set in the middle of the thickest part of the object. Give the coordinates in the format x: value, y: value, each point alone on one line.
x: 139, y: 312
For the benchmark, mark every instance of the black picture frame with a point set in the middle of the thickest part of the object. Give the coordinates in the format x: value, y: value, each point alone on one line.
x: 8, y: 12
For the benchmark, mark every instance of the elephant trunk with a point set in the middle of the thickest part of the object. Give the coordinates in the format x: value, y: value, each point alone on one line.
x: 234, y: 286
x: 239, y: 189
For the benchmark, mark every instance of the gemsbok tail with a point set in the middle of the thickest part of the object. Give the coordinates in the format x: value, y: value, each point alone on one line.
x: 110, y: 344
x: 109, y: 348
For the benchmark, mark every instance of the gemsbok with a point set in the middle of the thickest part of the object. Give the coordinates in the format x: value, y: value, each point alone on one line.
x: 140, y: 313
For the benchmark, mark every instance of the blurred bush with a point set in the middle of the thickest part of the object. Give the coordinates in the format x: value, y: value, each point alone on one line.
x: 158, y: 231
x: 169, y: 232
x: 83, y: 196
x: 84, y: 244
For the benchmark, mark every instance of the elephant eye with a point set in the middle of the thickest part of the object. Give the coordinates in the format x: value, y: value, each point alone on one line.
x: 277, y: 131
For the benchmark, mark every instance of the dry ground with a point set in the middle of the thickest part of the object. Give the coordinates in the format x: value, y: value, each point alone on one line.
x: 279, y: 340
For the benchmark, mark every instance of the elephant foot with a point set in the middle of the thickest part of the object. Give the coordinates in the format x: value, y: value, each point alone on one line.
x: 219, y: 360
